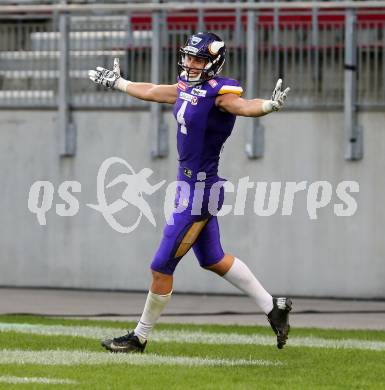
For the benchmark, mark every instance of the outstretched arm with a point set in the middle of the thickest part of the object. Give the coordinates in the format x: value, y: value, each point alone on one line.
x: 144, y: 91
x: 253, y: 107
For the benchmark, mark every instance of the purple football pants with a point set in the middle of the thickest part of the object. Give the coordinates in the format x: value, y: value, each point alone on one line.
x: 201, y: 232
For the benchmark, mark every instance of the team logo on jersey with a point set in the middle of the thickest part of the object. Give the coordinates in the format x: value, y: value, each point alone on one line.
x: 213, y: 83
x: 182, y: 85
x: 198, y: 92
x: 195, y: 40
x: 187, y: 172
x: 190, y: 98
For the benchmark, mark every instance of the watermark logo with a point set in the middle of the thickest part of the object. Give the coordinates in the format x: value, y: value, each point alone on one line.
x: 135, y: 185
x: 194, y: 198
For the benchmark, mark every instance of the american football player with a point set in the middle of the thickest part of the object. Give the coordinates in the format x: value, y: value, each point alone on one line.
x: 205, y: 108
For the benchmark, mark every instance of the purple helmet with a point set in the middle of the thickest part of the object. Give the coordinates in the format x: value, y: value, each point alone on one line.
x: 203, y: 45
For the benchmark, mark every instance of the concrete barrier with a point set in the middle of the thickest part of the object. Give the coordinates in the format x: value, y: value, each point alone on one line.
x: 330, y: 256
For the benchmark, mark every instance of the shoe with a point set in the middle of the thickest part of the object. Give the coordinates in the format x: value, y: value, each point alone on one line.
x: 279, y: 319
x: 127, y: 343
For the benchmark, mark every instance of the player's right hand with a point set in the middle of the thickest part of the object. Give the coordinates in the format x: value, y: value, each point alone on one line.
x: 108, y: 78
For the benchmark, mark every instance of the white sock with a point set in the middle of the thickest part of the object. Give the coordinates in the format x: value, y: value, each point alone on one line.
x: 240, y: 276
x: 152, y: 310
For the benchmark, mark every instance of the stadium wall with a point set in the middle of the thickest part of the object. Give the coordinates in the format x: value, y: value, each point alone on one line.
x: 330, y: 256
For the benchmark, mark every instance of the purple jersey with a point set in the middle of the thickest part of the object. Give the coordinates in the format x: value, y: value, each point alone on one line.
x: 202, y: 131
x: 202, y: 127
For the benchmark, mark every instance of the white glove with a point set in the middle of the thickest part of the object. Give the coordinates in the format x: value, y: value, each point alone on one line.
x: 277, y: 99
x: 109, y: 78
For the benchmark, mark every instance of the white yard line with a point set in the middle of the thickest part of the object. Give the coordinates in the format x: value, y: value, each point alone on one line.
x: 48, y: 381
x: 70, y: 358
x: 193, y: 337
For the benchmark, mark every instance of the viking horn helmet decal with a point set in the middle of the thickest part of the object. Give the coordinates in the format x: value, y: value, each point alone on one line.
x: 215, y: 46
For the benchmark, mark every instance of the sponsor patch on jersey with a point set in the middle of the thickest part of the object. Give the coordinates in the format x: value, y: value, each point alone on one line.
x: 198, y: 92
x: 213, y: 83
x: 190, y: 98
x: 182, y: 85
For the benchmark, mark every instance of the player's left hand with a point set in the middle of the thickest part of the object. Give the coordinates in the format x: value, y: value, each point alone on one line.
x: 278, y: 98
x: 106, y: 77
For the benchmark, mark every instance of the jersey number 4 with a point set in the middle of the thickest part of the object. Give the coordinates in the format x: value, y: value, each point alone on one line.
x: 180, y: 117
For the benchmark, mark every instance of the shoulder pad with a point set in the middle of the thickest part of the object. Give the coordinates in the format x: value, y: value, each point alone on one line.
x: 225, y: 85
x: 238, y: 90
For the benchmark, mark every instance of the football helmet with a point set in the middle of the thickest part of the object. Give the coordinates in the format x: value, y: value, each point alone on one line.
x: 208, y: 46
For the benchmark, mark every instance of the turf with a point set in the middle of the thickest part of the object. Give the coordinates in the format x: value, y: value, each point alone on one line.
x: 299, y: 367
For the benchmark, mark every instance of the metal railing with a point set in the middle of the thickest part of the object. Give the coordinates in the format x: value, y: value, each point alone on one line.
x: 304, y: 46
x: 50, y: 47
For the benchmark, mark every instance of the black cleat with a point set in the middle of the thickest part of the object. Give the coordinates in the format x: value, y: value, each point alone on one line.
x: 279, y: 319
x: 128, y: 343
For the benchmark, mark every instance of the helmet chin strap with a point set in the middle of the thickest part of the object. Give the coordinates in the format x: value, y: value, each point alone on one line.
x: 196, y: 78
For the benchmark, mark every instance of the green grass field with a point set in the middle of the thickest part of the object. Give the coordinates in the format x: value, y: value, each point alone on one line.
x: 39, y: 353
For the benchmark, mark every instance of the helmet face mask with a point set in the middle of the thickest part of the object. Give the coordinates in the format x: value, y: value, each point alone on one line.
x: 210, y: 48
x: 193, y: 74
